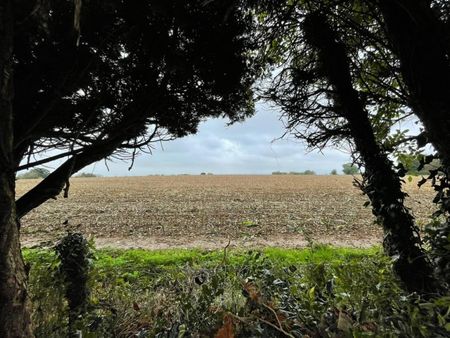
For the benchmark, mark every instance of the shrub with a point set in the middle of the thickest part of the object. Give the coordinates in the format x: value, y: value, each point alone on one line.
x: 73, y: 252
x: 350, y: 169
x: 34, y: 173
x: 319, y: 292
x: 308, y: 172
x: 333, y: 172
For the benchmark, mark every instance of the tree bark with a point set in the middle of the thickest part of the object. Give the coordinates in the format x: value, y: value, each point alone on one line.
x: 14, y: 304
x: 15, y: 307
x: 381, y: 183
x: 418, y: 39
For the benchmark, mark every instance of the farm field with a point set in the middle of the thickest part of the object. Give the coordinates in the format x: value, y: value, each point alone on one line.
x: 158, y: 212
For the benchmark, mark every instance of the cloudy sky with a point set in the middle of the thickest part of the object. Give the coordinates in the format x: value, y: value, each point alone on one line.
x: 250, y: 147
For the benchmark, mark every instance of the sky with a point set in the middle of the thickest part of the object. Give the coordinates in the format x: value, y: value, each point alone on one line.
x: 250, y: 147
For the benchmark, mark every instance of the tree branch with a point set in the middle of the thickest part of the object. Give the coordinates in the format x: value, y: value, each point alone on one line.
x: 53, y: 184
x: 48, y: 159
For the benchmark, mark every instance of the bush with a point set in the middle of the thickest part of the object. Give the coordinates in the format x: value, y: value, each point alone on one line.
x: 316, y: 292
x: 333, y: 172
x: 279, y: 173
x: 308, y: 172
x: 350, y: 169
x: 412, y: 163
x: 73, y: 253
x: 34, y: 173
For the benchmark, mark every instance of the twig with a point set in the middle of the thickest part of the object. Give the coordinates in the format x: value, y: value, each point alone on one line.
x: 275, y: 314
x: 225, y: 251
x: 244, y: 320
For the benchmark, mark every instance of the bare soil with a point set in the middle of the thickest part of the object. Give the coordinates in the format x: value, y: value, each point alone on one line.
x: 158, y: 212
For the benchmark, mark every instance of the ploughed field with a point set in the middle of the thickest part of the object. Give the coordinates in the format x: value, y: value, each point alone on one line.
x: 213, y: 211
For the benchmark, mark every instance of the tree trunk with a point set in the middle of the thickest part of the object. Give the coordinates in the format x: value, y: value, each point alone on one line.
x: 14, y: 309
x: 418, y: 39
x: 14, y: 304
x: 381, y: 183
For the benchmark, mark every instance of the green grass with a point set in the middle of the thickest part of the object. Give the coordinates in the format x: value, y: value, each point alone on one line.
x: 140, y: 258
x: 319, y: 291
x: 174, y: 257
x: 319, y: 254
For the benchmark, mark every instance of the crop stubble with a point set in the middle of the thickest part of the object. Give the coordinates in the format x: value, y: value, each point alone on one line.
x: 206, y: 211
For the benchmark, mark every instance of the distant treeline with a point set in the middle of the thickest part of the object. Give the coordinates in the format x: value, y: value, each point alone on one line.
x: 412, y: 167
x: 306, y: 172
x: 43, y: 173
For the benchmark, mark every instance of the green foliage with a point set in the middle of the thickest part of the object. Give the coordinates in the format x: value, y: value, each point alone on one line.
x: 350, y: 169
x: 46, y: 290
x: 333, y: 172
x: 73, y: 253
x: 250, y: 223
x: 34, y: 173
x: 438, y: 238
x: 438, y: 231
x: 319, y: 291
x: 414, y: 164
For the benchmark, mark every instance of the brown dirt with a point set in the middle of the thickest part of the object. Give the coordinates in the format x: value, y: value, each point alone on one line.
x: 158, y: 212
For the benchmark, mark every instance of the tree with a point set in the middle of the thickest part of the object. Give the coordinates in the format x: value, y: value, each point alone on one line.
x: 323, y: 92
x: 380, y: 182
x: 418, y: 32
x: 35, y: 173
x: 350, y: 169
x: 122, y: 76
x: 333, y: 172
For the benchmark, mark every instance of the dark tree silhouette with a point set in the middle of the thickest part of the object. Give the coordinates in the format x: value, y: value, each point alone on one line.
x: 381, y: 183
x: 94, y: 79
x: 419, y: 33
x: 419, y: 37
x: 323, y: 90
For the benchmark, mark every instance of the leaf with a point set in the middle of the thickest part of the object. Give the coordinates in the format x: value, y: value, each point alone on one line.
x: 252, y: 292
x: 250, y: 224
x: 447, y: 327
x: 227, y: 330
x: 182, y: 331
x: 312, y: 293
x: 344, y: 323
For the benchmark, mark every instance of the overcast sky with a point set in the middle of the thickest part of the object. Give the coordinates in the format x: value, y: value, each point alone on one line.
x: 244, y: 148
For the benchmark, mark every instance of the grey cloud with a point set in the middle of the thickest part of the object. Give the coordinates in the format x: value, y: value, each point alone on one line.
x: 250, y: 147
